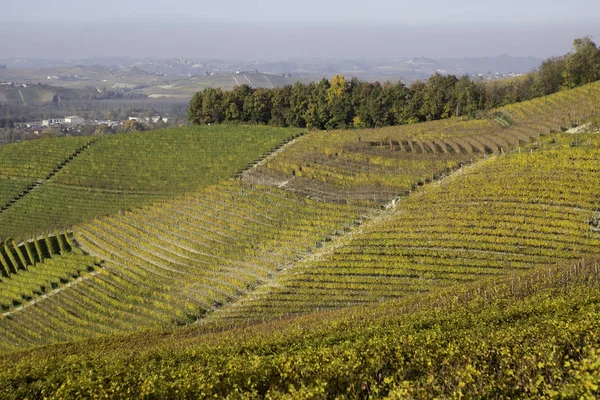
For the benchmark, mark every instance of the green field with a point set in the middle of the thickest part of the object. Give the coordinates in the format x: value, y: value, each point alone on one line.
x: 173, y: 262
x: 507, y: 213
x: 121, y: 171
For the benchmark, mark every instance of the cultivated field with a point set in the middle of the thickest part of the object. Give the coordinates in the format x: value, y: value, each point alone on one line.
x: 379, y: 164
x: 71, y: 184
x: 506, y: 213
x: 456, y: 258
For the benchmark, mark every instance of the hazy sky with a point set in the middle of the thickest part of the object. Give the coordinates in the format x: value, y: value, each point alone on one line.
x: 270, y: 29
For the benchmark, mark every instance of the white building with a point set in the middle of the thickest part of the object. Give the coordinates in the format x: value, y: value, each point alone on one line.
x: 53, y: 121
x: 75, y: 120
x: 63, y: 121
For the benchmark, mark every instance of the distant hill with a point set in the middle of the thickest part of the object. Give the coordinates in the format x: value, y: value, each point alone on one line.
x: 37, y: 95
x: 405, y: 68
x: 502, y: 64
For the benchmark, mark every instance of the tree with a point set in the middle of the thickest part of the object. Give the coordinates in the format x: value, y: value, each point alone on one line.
x: 195, y: 109
x: 261, y: 110
x: 317, y: 113
x: 212, y: 106
x: 51, y: 132
x: 400, y: 95
x: 339, y: 103
x: 281, y: 104
x: 582, y: 66
x: 337, y: 89
x: 298, y: 106
x: 103, y: 130
x: 233, y: 103
x: 133, y: 126
x: 548, y: 78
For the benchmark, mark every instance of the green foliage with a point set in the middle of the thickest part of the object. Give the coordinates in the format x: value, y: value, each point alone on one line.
x: 583, y: 65
x: 43, y: 278
x: 11, y: 188
x: 335, y: 104
x: 34, y: 159
x: 173, y: 159
x: 55, y: 206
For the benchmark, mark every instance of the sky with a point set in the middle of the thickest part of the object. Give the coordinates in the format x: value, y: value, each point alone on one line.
x: 277, y: 30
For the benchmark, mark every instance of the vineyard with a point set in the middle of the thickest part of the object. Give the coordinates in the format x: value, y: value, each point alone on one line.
x: 24, y: 165
x: 119, y: 172
x: 173, y: 262
x: 456, y: 258
x: 533, y: 335
x: 380, y: 164
x: 509, y: 213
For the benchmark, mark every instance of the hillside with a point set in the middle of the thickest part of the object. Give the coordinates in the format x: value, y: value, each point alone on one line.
x: 38, y: 95
x: 500, y: 215
x: 119, y: 172
x: 453, y: 258
x: 171, y: 263
x: 529, y: 336
x: 378, y: 164
x: 238, y: 251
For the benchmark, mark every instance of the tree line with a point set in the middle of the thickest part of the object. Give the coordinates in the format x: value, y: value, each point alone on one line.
x: 340, y: 103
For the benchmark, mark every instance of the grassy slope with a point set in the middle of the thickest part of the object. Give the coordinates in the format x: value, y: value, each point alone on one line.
x: 173, y: 159
x: 123, y: 171
x: 21, y: 164
x: 36, y: 158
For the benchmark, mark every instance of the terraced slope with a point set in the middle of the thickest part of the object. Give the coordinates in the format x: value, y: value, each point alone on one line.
x: 171, y: 263
x: 533, y: 335
x: 120, y: 172
x: 240, y: 252
x: 508, y: 213
x: 379, y: 164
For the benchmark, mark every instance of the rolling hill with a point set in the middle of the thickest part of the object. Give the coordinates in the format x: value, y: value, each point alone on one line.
x: 451, y: 258
x: 119, y: 172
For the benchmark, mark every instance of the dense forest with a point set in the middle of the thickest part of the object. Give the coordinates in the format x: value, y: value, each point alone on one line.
x: 341, y: 103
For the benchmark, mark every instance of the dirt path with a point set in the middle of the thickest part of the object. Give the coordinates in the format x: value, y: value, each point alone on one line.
x: 22, y: 98
x: 265, y: 159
